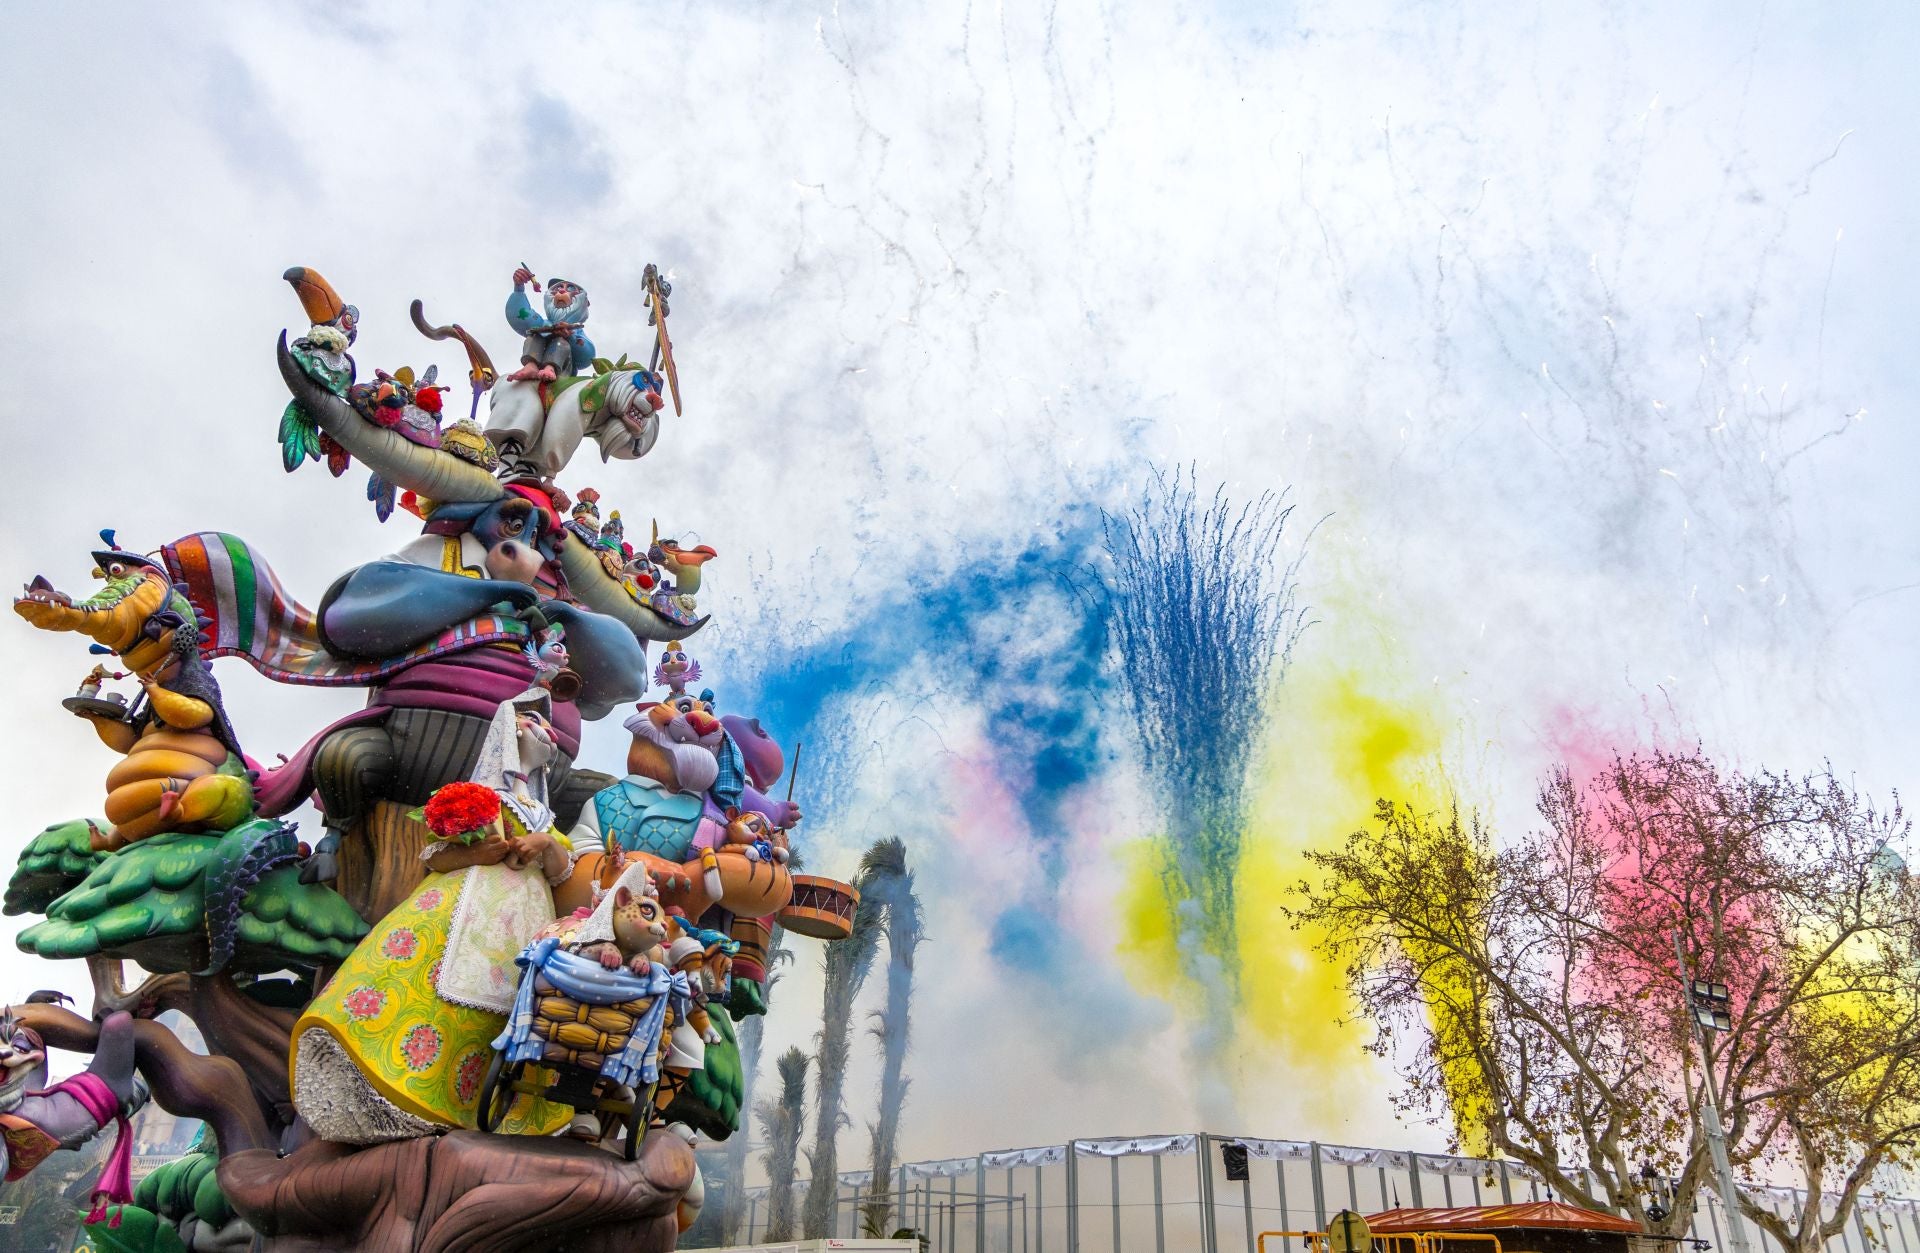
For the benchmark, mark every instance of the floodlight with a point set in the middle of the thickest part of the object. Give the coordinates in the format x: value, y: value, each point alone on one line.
x: 1711, y: 993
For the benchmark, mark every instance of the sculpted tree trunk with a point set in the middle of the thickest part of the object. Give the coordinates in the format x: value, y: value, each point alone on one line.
x: 212, y: 1089
x: 255, y: 1035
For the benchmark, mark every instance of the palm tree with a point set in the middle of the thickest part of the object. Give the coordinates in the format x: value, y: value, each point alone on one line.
x: 781, y: 1122
x: 892, y: 885
x: 847, y: 964
x: 751, y: 1032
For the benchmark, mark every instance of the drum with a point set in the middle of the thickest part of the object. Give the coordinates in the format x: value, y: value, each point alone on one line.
x: 821, y: 908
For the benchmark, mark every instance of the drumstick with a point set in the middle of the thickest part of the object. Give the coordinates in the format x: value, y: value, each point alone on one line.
x: 797, y: 746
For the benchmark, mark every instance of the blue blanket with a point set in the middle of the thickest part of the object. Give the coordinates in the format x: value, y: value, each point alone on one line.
x: 587, y: 981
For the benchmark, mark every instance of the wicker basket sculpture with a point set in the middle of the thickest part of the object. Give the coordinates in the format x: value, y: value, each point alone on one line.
x: 583, y: 1035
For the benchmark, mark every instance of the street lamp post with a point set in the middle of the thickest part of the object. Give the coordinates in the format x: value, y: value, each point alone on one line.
x: 1710, y: 1009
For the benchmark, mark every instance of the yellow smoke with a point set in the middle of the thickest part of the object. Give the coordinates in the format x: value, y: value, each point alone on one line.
x: 1852, y: 1015
x: 1342, y: 734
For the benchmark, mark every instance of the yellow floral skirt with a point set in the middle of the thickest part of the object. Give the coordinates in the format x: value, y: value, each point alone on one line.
x: 419, y: 1053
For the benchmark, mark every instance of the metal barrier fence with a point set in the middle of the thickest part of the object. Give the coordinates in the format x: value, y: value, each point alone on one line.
x: 1138, y: 1193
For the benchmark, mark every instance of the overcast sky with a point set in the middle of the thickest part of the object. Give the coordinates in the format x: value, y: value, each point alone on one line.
x: 1586, y: 328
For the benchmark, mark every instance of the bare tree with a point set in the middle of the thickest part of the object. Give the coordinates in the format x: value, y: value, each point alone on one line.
x: 1544, y: 995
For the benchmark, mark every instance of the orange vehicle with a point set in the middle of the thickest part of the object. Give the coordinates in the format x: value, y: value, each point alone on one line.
x: 1532, y: 1227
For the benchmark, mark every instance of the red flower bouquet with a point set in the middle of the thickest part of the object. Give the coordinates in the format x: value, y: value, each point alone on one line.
x: 466, y: 812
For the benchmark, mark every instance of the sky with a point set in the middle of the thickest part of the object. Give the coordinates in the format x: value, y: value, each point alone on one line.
x: 1577, y: 334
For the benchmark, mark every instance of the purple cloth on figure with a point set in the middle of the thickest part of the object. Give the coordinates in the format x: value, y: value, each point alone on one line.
x: 472, y: 683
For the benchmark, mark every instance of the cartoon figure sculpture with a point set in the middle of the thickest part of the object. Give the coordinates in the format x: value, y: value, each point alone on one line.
x: 755, y: 838
x: 322, y: 355
x: 90, y: 686
x: 765, y: 764
x: 550, y: 658
x: 183, y: 770
x: 548, y: 406
x: 596, y: 998
x: 655, y: 813
x: 336, y: 324
x: 641, y: 579
x: 434, y: 630
x: 409, y: 407
x: 438, y: 476
x: 557, y: 343
x: 613, y: 537
x: 676, y: 669
x: 409, y: 1026
x: 37, y: 1120
x: 421, y: 625
x: 402, y: 403
x: 645, y: 574
x: 420, y: 420
x: 663, y: 814
x: 693, y: 1029
x: 718, y: 952
x: 538, y: 426
x: 682, y: 563
x: 584, y: 521
x: 397, y: 1043
x: 480, y: 372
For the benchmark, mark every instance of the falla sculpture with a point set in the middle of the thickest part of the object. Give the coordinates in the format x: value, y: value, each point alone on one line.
x: 488, y: 999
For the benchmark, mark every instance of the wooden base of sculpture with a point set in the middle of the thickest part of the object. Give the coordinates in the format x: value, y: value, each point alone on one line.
x: 468, y: 1191
x: 464, y: 1190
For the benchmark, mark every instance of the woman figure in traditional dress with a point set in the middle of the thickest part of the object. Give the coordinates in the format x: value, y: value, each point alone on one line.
x: 398, y: 1042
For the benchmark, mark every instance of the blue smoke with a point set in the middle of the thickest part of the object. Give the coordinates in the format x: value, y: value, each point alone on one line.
x: 1045, y: 699
x: 1015, y: 630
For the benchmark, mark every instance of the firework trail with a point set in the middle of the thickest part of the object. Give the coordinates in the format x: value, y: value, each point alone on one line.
x: 1202, y: 618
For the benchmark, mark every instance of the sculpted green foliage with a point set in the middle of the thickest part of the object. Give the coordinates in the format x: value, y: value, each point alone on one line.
x: 148, y: 903
x: 140, y: 1231
x: 55, y: 861
x: 186, y: 1187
